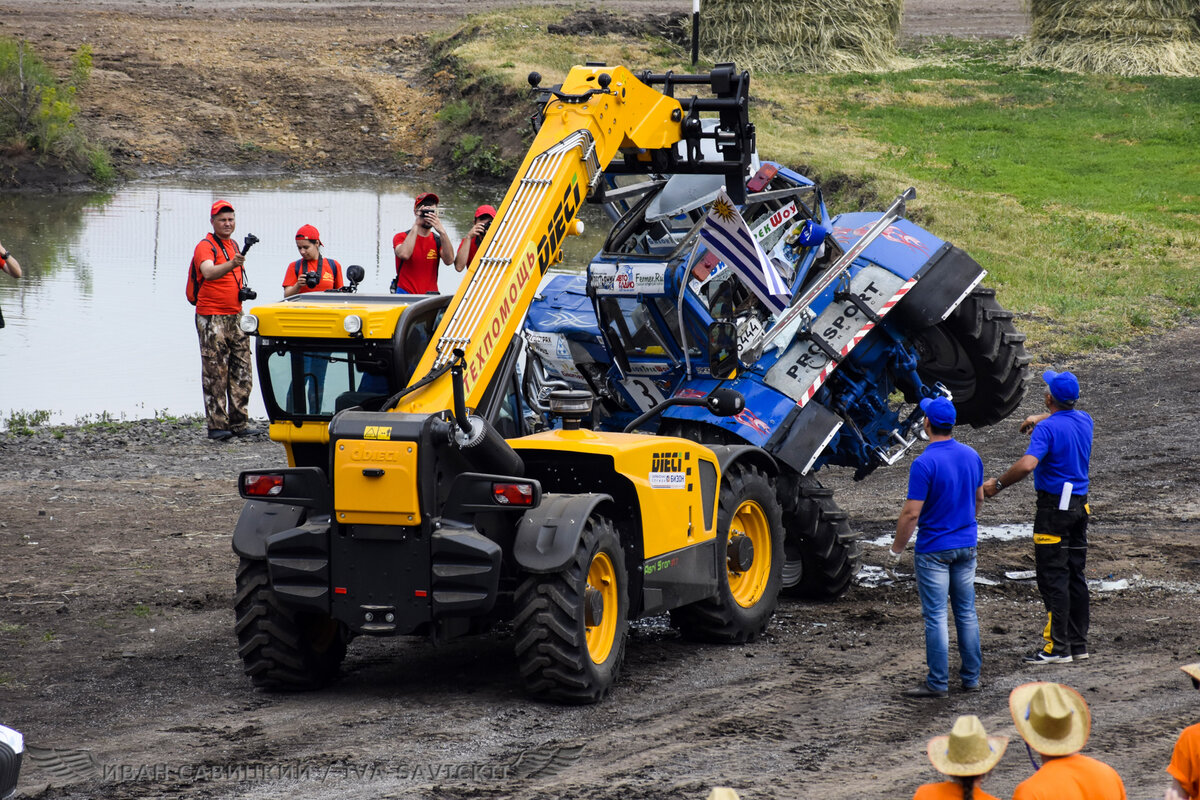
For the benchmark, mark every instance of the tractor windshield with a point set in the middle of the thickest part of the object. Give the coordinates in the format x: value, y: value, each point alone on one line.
x: 307, y: 382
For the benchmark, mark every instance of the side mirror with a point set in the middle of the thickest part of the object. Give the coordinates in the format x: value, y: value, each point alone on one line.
x: 725, y: 402
x: 722, y: 303
x: 722, y: 350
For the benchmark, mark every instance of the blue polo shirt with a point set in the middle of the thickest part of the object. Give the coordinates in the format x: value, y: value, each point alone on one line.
x: 1062, y: 444
x: 945, y: 477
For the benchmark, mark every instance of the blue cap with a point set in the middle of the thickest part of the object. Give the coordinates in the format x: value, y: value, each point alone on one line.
x: 811, y: 234
x: 1063, y: 386
x: 940, y: 411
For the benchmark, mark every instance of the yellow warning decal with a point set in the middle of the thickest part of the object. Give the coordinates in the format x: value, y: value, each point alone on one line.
x: 1046, y: 538
x: 377, y: 432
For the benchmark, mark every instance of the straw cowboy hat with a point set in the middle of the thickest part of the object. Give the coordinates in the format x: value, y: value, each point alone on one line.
x: 1053, y: 719
x: 968, y: 750
x: 723, y: 793
x: 1193, y: 671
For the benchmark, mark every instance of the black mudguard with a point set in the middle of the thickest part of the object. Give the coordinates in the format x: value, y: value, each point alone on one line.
x: 258, y: 521
x: 945, y: 280
x: 548, y: 535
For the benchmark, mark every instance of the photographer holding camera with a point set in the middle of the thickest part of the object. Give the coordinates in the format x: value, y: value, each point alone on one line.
x: 419, y: 249
x: 470, y: 244
x: 217, y: 286
x: 312, y: 272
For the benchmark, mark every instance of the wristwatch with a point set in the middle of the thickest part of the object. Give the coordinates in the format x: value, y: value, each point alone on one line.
x: 4, y: 257
x: 999, y: 485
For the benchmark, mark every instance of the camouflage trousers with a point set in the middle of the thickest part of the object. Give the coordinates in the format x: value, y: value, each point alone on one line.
x: 226, y: 372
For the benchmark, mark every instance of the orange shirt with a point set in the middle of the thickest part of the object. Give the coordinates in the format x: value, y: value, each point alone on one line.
x: 948, y: 790
x: 1185, y: 761
x: 1072, y: 777
x: 219, y: 295
x: 331, y: 275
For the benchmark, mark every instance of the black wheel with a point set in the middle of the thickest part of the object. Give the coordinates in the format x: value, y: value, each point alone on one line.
x: 979, y: 356
x: 750, y: 537
x: 571, y: 625
x: 822, y: 552
x: 282, y: 649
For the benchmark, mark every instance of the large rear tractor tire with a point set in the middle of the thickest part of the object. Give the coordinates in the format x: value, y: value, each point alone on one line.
x: 281, y: 649
x: 822, y: 552
x: 979, y: 356
x: 571, y: 625
x: 750, y: 539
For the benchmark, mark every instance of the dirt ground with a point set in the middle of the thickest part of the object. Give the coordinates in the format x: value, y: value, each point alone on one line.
x: 116, y: 634
x: 330, y: 86
x: 115, y: 592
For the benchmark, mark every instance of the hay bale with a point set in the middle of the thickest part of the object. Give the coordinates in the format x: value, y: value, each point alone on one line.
x: 801, y: 35
x: 1119, y: 37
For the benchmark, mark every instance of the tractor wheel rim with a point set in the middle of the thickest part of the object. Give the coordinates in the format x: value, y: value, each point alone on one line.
x: 602, y: 578
x: 747, y: 587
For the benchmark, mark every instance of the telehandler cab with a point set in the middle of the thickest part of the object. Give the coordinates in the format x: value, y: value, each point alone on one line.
x: 417, y: 501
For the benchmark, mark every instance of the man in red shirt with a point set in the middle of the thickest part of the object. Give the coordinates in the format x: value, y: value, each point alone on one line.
x: 419, y: 249
x: 226, y: 375
x: 470, y: 244
x: 1185, y: 760
x: 1054, y: 720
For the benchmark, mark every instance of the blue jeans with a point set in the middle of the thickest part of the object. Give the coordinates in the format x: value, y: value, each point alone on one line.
x: 941, y: 574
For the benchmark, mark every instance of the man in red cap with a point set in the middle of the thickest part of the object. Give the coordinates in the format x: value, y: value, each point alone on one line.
x: 470, y: 244
x: 227, y: 375
x: 419, y: 249
x: 312, y: 272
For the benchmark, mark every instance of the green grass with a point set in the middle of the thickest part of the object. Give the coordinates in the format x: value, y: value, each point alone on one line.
x: 24, y: 423
x: 1079, y: 194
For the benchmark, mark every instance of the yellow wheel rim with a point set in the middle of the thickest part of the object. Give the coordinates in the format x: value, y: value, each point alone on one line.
x: 602, y: 578
x: 747, y: 587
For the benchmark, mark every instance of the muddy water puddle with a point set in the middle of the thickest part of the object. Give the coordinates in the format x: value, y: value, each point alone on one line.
x: 100, y: 325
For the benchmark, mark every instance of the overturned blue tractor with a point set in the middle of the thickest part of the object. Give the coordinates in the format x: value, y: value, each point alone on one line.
x: 877, y: 314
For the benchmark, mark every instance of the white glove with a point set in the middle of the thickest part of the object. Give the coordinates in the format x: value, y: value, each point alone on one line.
x: 894, y: 557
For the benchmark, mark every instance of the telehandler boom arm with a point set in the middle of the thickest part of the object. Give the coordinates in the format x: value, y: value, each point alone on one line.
x: 596, y: 114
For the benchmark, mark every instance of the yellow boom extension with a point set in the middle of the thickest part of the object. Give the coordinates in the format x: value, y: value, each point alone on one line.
x: 599, y: 112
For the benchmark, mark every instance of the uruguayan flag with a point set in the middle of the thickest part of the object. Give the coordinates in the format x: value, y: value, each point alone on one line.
x: 728, y: 235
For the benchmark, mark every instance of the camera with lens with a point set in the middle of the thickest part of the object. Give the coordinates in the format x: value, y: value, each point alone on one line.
x: 244, y: 291
x: 312, y: 278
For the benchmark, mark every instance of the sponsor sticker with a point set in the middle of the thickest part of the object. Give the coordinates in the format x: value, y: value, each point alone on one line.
x: 667, y: 480
x: 628, y: 279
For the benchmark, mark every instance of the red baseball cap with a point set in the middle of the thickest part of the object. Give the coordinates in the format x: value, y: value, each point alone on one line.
x: 220, y: 205
x: 485, y: 211
x: 424, y: 197
x: 310, y: 233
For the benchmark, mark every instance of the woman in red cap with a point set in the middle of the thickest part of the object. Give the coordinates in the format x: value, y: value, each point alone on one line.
x: 470, y: 244
x: 312, y: 272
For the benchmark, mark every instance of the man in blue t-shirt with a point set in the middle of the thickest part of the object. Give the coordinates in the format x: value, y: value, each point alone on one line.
x: 945, y: 488
x: 1059, y: 451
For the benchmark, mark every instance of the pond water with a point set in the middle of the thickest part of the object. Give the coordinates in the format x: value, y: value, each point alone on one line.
x: 100, y: 325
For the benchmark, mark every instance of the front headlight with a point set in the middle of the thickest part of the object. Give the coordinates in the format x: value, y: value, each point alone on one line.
x: 249, y: 323
x: 352, y: 323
